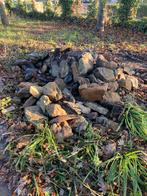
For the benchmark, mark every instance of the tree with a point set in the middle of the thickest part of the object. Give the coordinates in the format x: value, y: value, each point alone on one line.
x: 92, y: 8
x: 66, y: 8
x: 101, y: 17
x: 3, y: 13
x: 127, y: 10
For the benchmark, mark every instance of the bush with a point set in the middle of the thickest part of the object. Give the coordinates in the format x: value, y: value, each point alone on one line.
x: 142, y: 11
x: 138, y: 24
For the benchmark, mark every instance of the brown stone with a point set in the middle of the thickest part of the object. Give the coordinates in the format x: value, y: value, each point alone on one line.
x: 36, y: 91
x: 75, y: 71
x: 55, y: 110
x: 93, y: 92
x: 111, y: 97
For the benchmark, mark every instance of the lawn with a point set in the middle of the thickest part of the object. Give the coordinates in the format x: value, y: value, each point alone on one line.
x: 24, y: 35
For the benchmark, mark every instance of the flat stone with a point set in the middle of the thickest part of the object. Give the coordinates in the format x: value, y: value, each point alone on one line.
x: 85, y: 63
x: 64, y: 68
x: 73, y: 106
x: 111, y: 97
x: 43, y: 102
x: 97, y: 108
x: 36, y: 91
x: 104, y: 74
x: 68, y: 95
x: 34, y: 115
x: 29, y: 102
x: 52, y: 90
x: 55, y: 110
x: 84, y: 109
x: 93, y: 92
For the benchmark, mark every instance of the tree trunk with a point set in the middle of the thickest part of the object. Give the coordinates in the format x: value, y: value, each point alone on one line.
x: 100, y: 17
x: 3, y: 14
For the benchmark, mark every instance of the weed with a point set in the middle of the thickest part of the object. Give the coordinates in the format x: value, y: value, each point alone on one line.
x: 135, y: 119
x: 128, y: 171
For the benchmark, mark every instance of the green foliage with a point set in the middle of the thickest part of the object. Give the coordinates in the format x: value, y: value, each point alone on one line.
x: 128, y: 170
x: 127, y: 10
x: 142, y: 11
x: 136, y: 120
x: 93, y: 9
x: 66, y: 8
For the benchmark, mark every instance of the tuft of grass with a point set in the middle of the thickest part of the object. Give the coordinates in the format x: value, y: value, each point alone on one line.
x: 128, y: 171
x: 43, y: 146
x: 135, y: 119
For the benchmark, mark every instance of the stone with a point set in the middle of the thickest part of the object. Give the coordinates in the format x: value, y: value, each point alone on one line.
x: 85, y: 63
x: 128, y: 70
x: 73, y: 106
x: 63, y: 118
x: 26, y: 85
x: 30, y: 73
x: 111, y: 97
x: 75, y: 71
x: 129, y: 83
x: 52, y: 90
x: 79, y: 124
x: 20, y: 62
x: 36, y: 91
x: 62, y: 131
x: 134, y: 81
x: 68, y: 95
x: 97, y: 108
x: 102, y: 120
x: 55, y: 110
x: 104, y: 74
x: 64, y: 69
x: 92, y: 115
x: 55, y: 70
x: 113, y: 86
x: 22, y: 93
x: 103, y: 62
x: 93, y: 79
x: 93, y: 92
x: 34, y: 115
x: 43, y: 102
x: 82, y: 80
x: 84, y: 109
x: 44, y: 68
x: 29, y: 102
x: 68, y: 79
x: 60, y: 83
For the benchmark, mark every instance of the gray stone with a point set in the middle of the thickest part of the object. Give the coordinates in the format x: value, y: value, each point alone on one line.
x: 68, y: 95
x: 55, y: 70
x: 79, y: 124
x: 84, y: 109
x: 34, y: 115
x: 64, y: 69
x: 104, y: 74
x: 97, y: 108
x: 29, y: 102
x: 52, y: 90
x: 73, y: 106
x: 61, y: 84
x: 36, y: 91
x: 85, y: 63
x: 43, y: 102
x: 113, y: 86
x: 55, y: 110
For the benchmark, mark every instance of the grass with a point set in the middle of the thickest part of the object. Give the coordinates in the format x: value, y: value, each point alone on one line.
x: 129, y: 171
x: 135, y: 119
x: 25, y: 35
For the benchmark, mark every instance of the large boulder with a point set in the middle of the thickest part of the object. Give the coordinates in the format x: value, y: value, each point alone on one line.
x: 55, y: 110
x: 52, y: 90
x: 85, y: 63
x: 93, y: 92
x: 105, y: 74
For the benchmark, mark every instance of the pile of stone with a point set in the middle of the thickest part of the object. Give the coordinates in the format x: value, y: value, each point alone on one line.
x: 70, y: 89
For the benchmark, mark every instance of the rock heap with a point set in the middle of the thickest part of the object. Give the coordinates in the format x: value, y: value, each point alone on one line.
x: 70, y: 89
